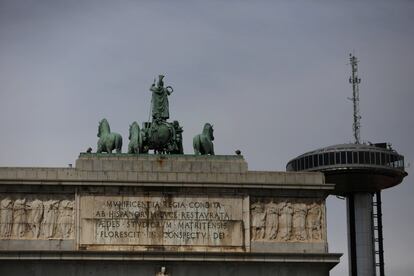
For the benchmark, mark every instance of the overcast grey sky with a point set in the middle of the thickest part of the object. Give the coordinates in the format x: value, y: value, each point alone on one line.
x: 272, y: 76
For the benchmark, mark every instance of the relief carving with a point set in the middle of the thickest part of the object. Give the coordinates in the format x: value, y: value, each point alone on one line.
x: 299, y: 221
x: 65, y: 219
x: 258, y: 221
x: 50, y: 218
x: 314, y: 222
x: 6, y: 217
x: 36, y: 217
x: 19, y: 218
x: 287, y: 220
x: 272, y: 220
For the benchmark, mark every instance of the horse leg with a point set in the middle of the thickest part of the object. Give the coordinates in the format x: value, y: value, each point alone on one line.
x: 211, y: 148
x: 118, y: 143
x: 196, y: 145
x: 108, y: 147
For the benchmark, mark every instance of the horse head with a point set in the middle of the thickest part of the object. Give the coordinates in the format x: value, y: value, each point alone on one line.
x: 133, y: 129
x: 208, y: 130
x: 103, y: 127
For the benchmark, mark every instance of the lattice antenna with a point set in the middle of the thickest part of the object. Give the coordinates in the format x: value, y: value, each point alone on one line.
x: 355, y: 81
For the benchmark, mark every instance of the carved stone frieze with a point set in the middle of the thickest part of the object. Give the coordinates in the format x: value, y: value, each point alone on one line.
x: 33, y: 216
x: 287, y: 220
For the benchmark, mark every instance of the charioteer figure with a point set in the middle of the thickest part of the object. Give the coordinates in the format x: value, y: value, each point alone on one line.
x: 159, y: 101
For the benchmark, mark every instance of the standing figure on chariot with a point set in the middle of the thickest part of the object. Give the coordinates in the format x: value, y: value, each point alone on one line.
x: 159, y: 101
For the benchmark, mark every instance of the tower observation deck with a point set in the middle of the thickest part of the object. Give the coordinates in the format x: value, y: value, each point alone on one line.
x: 359, y: 171
x: 354, y: 167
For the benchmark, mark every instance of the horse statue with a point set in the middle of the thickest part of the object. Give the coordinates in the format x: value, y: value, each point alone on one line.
x: 135, y: 139
x: 108, y: 141
x: 202, y: 143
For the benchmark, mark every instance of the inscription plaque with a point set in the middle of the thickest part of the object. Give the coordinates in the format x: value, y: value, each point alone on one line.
x: 162, y: 220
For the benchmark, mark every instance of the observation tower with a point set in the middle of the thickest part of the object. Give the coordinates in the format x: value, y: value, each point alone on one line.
x: 360, y: 171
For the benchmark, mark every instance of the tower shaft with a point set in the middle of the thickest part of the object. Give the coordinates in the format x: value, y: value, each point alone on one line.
x: 361, y: 248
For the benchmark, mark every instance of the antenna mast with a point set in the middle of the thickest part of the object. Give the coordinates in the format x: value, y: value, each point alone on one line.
x: 355, y: 81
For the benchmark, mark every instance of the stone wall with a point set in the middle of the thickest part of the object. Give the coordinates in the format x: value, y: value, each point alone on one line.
x: 159, y: 203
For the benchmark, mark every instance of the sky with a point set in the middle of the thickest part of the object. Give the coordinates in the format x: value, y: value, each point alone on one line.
x: 271, y: 76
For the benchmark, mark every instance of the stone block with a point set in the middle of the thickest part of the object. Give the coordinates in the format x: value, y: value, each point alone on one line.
x: 122, y: 176
x: 92, y: 176
x: 107, y: 165
x: 280, y: 177
x: 31, y: 173
x: 250, y: 177
x: 11, y: 173
x: 172, y: 177
x: 147, y: 166
x: 41, y: 245
x: 221, y: 177
x: 42, y: 174
x: 202, y: 177
x: 51, y: 174
x: 161, y: 165
x: 290, y: 178
x: 235, y: 167
x: 216, y: 167
x: 243, y: 167
x: 152, y: 176
x: 211, y: 177
x: 102, y: 175
x: 21, y: 174
x: 288, y: 247
x: 138, y: 165
x: 117, y: 165
x: 196, y: 167
x: 224, y: 167
x: 112, y: 176
x: 319, y: 178
x: 162, y: 177
x: 300, y: 178
x: 260, y: 178
x: 206, y: 166
x: 80, y: 175
x: 127, y: 165
x: 97, y: 165
x: 185, y: 166
x: 191, y: 177
x: 87, y: 165
x: 142, y: 176
x: 182, y: 177
x: 78, y: 163
x: 233, y: 177
x: 132, y: 176
x: 3, y: 173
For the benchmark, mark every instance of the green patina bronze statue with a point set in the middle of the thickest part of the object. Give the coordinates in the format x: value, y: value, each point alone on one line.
x: 108, y: 141
x: 135, y: 139
x: 161, y: 136
x: 203, y: 143
x: 159, y: 101
x: 158, y: 135
x: 178, y: 138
